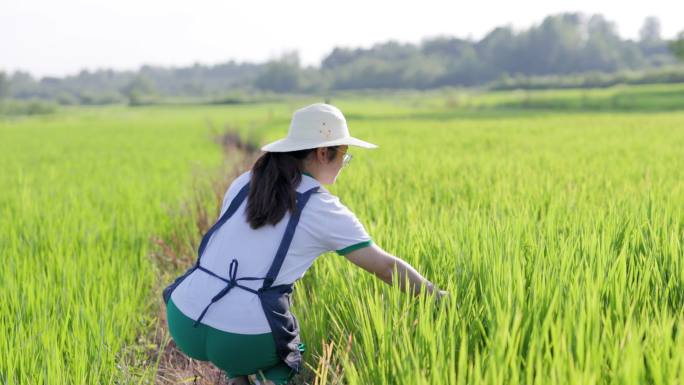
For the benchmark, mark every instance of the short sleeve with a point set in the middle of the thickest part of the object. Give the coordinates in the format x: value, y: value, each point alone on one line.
x: 337, y: 228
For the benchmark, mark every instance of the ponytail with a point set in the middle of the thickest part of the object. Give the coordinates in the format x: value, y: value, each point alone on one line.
x: 272, y: 190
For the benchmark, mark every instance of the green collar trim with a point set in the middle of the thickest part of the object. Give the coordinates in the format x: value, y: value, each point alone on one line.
x: 306, y: 173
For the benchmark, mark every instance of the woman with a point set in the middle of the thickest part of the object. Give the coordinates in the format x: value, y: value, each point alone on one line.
x: 232, y: 306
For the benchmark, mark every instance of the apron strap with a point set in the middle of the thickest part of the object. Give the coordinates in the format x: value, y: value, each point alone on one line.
x: 302, y: 198
x: 232, y: 281
x: 237, y: 201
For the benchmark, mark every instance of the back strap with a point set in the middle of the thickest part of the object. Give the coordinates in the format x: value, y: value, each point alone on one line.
x: 237, y: 201
x: 231, y: 282
x: 302, y: 198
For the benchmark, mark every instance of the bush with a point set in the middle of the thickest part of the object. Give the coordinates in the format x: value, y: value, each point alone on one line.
x: 31, y: 107
x: 592, y: 79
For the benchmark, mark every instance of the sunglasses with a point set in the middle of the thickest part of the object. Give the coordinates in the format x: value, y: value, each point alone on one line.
x: 346, y: 159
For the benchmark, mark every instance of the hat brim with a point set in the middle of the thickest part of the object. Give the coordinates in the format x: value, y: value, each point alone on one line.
x: 289, y: 144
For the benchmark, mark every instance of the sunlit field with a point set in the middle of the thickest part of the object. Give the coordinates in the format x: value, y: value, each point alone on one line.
x: 557, y: 227
x: 82, y: 194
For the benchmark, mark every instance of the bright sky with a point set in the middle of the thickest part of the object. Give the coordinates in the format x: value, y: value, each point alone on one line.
x: 48, y: 37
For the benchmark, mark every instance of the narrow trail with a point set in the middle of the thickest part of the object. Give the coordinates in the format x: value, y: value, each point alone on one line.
x: 174, y: 255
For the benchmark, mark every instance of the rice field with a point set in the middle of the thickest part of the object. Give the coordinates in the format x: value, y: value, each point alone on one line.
x: 558, y: 232
x: 83, y: 195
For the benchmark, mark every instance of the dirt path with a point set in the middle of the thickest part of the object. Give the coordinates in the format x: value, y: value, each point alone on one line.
x: 174, y: 256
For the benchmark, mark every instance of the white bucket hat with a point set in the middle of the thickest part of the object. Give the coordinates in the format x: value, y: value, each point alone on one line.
x: 316, y: 125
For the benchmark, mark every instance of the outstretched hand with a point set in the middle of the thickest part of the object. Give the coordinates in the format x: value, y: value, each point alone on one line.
x: 442, y: 296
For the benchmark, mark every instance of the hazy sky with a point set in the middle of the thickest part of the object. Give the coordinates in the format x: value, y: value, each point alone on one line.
x: 50, y: 37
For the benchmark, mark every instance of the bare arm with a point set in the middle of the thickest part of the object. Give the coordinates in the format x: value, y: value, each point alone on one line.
x: 377, y: 261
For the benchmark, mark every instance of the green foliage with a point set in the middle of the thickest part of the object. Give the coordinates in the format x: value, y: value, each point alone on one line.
x: 558, y: 235
x: 4, y: 86
x: 282, y: 75
x: 29, y: 107
x: 565, y: 44
x: 677, y: 46
x: 140, y: 91
x: 671, y: 74
x: 84, y: 192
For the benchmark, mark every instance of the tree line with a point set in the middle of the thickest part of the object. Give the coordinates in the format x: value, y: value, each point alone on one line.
x: 563, y: 46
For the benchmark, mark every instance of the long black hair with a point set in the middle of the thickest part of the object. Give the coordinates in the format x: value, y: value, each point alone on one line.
x: 272, y: 189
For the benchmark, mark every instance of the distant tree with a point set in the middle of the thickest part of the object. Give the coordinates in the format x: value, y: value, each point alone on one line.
x: 364, y: 72
x: 393, y: 51
x: 565, y: 44
x: 23, y: 85
x: 139, y: 90
x: 651, y: 43
x: 602, y: 51
x: 497, y: 51
x: 281, y: 75
x: 340, y: 56
x: 553, y: 46
x: 448, y: 47
x: 466, y: 71
x: 677, y: 46
x: 313, y: 80
x: 650, y: 30
x: 421, y: 72
x: 4, y: 86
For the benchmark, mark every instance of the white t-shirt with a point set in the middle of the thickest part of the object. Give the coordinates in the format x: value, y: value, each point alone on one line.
x: 324, y: 225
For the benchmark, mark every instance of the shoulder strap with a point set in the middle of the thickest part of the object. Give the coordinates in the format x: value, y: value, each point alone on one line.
x: 237, y: 201
x: 302, y: 198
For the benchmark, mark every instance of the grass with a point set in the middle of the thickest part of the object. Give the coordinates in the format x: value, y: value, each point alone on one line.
x: 559, y: 237
x: 559, y: 234
x: 82, y: 193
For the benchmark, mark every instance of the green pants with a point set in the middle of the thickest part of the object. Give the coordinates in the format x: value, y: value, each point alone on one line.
x: 236, y: 354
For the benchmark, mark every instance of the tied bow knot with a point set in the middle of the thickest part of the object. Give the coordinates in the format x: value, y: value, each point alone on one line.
x: 231, y: 282
x: 232, y: 272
